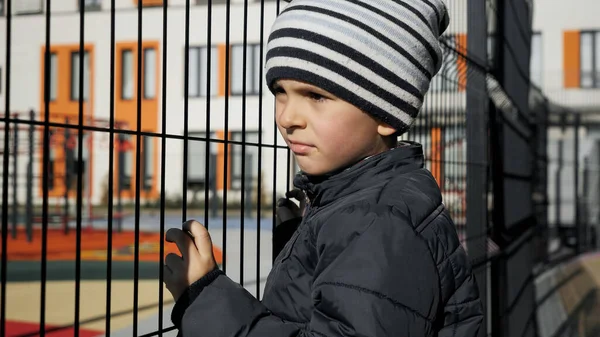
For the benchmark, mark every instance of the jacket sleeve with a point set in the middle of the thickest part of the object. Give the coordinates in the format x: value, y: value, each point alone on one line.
x: 374, y: 277
x: 462, y: 308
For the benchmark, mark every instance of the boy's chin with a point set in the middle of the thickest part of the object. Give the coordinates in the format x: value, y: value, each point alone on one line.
x: 314, y: 169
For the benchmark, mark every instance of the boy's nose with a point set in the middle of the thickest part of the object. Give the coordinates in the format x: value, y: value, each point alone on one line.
x: 291, y: 117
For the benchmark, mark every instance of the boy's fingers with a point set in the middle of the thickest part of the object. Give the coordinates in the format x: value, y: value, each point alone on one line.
x: 173, y: 261
x: 296, y: 194
x: 180, y: 239
x: 201, y: 237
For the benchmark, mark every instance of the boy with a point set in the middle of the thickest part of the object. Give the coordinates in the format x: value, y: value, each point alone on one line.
x: 376, y: 253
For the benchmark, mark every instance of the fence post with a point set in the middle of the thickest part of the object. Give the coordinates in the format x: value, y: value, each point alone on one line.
x: 557, y: 189
x: 15, y: 206
x: 29, y: 188
x: 120, y: 174
x: 476, y: 132
x: 578, y: 225
x: 67, y: 178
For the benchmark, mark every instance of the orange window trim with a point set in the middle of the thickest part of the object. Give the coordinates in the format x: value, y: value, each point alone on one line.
x: 63, y: 108
x: 462, y: 61
x: 572, y: 59
x: 220, y: 174
x: 126, y: 111
x: 436, y: 154
x: 149, y: 2
x: 222, y: 50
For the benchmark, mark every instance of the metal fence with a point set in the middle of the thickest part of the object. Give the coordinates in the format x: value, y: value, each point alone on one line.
x: 211, y: 152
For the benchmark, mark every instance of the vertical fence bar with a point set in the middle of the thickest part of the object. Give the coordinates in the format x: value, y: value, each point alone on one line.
x: 138, y: 141
x: 476, y: 114
x: 5, y: 166
x: 578, y: 232
x: 111, y: 173
x: 29, y: 184
x: 557, y: 187
x: 46, y: 152
x: 163, y: 165
x: 243, y: 157
x: 80, y: 169
x: 226, y: 133
x: 186, y: 85
x: 66, y: 178
x: 207, y: 173
x: 274, y: 193
x: 15, y: 177
x: 259, y: 160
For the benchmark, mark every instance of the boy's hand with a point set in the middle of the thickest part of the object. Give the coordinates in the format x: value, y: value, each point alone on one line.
x: 196, y: 258
x: 287, y: 209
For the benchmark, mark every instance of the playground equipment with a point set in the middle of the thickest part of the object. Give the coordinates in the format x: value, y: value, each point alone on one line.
x: 26, y: 155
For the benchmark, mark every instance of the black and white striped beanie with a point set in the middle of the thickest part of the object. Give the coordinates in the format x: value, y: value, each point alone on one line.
x: 378, y: 55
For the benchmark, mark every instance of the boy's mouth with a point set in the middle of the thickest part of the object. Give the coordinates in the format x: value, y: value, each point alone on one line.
x: 300, y: 148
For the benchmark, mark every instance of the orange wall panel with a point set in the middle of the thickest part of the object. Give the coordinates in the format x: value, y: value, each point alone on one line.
x: 571, y: 59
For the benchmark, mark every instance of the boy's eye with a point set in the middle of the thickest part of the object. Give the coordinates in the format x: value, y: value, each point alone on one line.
x: 315, y: 96
x: 279, y: 90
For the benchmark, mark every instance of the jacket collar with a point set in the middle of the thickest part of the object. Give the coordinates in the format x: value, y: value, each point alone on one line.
x: 322, y: 189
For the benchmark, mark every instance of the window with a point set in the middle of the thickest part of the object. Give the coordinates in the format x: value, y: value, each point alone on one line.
x: 1, y: 7
x: 590, y: 59
x: 75, y: 76
x: 536, y: 65
x: 250, y: 162
x: 149, y: 73
x: 199, y: 71
x: 214, y: 2
x: 51, y: 160
x: 92, y: 5
x: 148, y: 162
x: 252, y: 65
x: 125, y: 162
x: 23, y: 7
x: 197, y: 161
x: 72, y: 159
x: 53, y: 76
x: 127, y: 75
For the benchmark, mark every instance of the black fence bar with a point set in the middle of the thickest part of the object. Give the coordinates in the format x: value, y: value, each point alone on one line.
x: 5, y: 176
x: 138, y: 177
x: 80, y: 171
x: 46, y: 146
x: 111, y: 173
x: 576, y: 195
x: 163, y: 164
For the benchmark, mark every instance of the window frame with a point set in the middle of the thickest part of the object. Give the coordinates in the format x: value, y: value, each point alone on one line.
x: 123, y: 74
x: 31, y: 12
x: 252, y: 70
x: 595, y: 71
x: 95, y: 6
x: 202, y: 91
x: 147, y: 158
x: 74, y: 92
x: 540, y: 37
x: 53, y: 79
x: 152, y: 67
x: 236, y: 155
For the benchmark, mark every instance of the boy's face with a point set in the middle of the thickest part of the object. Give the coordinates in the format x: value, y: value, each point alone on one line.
x: 324, y: 132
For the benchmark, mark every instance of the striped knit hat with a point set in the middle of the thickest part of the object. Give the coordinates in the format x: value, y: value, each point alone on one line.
x: 378, y: 55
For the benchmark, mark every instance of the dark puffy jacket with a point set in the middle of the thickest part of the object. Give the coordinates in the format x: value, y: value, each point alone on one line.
x: 376, y: 254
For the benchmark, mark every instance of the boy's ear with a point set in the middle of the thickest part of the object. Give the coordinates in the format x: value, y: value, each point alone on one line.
x: 385, y: 130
